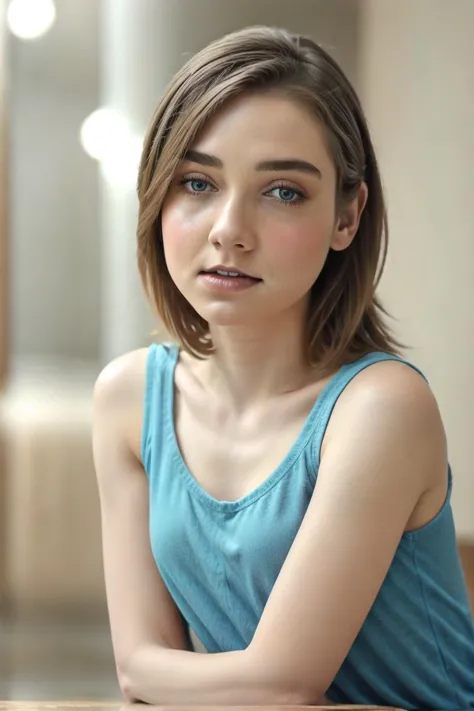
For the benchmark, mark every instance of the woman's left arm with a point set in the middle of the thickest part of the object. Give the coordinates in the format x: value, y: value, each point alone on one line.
x: 384, y: 445
x: 385, y: 448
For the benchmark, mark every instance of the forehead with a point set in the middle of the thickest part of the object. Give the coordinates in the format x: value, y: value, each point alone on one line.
x: 265, y: 125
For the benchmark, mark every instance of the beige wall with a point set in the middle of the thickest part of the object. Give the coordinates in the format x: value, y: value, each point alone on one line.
x: 417, y: 83
x: 3, y: 279
x: 3, y: 200
x: 53, y: 200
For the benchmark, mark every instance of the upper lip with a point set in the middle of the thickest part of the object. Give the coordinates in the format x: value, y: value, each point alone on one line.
x: 223, y: 268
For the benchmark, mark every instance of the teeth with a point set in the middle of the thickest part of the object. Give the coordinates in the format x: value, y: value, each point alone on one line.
x: 232, y: 274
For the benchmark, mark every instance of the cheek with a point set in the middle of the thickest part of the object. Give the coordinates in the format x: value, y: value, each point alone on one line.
x: 304, y: 245
x: 178, y: 229
x: 173, y: 242
x: 173, y: 226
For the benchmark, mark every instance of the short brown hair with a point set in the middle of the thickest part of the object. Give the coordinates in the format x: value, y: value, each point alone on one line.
x: 345, y: 320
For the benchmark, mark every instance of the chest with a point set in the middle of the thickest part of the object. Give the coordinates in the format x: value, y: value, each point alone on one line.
x: 231, y: 457
x: 220, y: 559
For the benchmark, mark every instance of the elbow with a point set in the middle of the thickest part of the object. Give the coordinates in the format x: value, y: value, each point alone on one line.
x: 127, y: 685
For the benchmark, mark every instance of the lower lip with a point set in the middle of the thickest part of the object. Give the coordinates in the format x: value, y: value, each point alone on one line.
x: 223, y: 283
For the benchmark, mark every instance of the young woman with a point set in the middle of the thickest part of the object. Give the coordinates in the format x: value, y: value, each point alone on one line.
x: 277, y: 480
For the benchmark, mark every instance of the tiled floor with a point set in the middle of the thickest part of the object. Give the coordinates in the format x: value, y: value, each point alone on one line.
x: 45, y: 661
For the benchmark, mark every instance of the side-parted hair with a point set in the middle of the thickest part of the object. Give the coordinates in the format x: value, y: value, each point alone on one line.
x: 344, y: 320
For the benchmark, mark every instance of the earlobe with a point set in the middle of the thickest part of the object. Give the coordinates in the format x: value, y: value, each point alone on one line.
x: 342, y: 237
x: 349, y: 220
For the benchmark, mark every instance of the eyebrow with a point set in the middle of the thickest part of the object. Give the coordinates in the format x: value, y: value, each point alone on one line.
x: 296, y: 164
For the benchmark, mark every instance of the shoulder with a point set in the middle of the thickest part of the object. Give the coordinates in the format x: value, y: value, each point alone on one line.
x: 119, y: 394
x: 389, y: 388
x: 122, y: 379
x: 391, y: 407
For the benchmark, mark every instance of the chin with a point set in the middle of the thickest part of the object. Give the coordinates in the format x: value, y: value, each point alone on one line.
x: 227, y: 315
x: 222, y: 319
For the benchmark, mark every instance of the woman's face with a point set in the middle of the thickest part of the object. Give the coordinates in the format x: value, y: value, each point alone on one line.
x: 254, y: 195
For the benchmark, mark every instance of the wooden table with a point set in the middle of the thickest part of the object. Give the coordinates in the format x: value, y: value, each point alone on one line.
x: 115, y: 706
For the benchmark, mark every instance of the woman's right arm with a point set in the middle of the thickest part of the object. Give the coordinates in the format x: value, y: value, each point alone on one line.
x: 141, y: 610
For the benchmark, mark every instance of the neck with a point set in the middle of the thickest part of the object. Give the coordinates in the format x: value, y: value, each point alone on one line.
x: 252, y: 365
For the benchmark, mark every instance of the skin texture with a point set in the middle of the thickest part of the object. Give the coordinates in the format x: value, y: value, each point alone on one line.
x: 383, y: 464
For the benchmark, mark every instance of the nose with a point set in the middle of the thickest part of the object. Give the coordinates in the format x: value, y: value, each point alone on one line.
x: 233, y: 227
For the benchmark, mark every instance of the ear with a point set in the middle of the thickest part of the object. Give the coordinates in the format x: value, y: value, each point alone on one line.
x: 348, y: 220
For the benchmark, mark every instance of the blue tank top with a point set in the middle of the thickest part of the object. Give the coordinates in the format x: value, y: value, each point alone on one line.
x: 220, y: 560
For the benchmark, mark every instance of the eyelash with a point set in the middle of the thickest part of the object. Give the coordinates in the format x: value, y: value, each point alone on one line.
x: 301, y: 197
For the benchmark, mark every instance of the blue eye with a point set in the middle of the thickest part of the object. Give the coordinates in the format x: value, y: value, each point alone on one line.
x: 287, y: 195
x: 196, y: 185
x: 199, y: 186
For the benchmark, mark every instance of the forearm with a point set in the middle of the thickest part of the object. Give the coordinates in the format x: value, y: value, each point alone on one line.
x: 162, y: 676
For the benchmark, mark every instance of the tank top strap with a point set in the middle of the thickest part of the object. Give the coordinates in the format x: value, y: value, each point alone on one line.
x: 336, y: 386
x: 158, y: 398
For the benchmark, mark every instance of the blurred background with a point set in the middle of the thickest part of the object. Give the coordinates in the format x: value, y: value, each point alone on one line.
x: 79, y: 80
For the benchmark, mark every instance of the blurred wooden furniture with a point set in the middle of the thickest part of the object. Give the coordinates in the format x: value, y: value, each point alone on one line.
x: 53, y: 561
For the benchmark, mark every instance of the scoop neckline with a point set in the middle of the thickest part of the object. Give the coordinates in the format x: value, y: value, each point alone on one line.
x: 295, y: 451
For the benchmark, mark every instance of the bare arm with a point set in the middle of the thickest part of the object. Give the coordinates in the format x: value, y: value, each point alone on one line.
x: 384, y: 454
x: 384, y: 445
x: 141, y: 610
